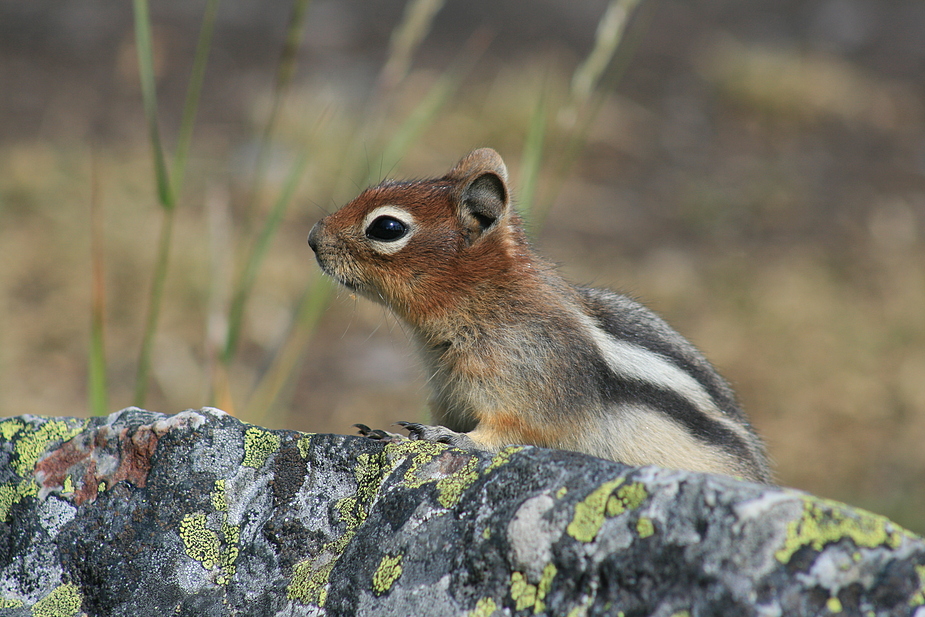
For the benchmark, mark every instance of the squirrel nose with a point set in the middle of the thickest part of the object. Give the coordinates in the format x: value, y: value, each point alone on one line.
x: 313, y: 236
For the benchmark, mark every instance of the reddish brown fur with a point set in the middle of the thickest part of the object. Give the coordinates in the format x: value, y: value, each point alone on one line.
x: 438, y: 277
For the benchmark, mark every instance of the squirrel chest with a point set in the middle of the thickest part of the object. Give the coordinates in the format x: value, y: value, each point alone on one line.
x: 515, y: 354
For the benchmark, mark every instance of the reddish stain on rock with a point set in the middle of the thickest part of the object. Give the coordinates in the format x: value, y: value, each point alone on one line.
x: 102, y: 456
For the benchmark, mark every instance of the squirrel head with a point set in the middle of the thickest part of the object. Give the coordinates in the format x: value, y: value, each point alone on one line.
x: 421, y: 247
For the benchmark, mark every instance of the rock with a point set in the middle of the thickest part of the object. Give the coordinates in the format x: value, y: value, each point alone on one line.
x: 198, y: 514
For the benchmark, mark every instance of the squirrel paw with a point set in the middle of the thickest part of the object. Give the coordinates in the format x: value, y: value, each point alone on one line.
x: 378, y: 434
x: 439, y: 434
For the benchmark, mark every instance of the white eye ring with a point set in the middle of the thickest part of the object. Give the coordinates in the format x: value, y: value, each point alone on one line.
x: 390, y: 247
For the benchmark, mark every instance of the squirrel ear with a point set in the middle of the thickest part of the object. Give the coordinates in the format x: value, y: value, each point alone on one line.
x: 477, y: 162
x: 482, y: 194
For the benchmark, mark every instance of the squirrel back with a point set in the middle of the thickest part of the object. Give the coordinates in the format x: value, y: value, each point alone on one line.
x: 514, y: 353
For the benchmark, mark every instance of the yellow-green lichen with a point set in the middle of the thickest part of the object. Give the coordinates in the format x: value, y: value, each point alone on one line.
x: 369, y: 473
x: 219, y: 498
x: 10, y: 603
x: 30, y: 445
x: 231, y: 534
x: 228, y: 555
x: 549, y: 573
x: 8, y: 428
x: 309, y: 583
x: 526, y: 595
x: 201, y: 543
x: 918, y: 598
x: 450, y: 488
x: 63, y: 601
x: 486, y: 533
x: 423, y: 453
x: 834, y: 605
x: 503, y: 457
x: 205, y: 546
x: 824, y: 522
x: 485, y: 607
x: 227, y: 559
x: 259, y: 444
x: 9, y: 496
x: 305, y: 441
x: 628, y: 497
x: 12, y: 494
x: 589, y: 512
x: 681, y: 614
x: 386, y: 574
x: 522, y: 592
x: 645, y: 527
x: 561, y: 492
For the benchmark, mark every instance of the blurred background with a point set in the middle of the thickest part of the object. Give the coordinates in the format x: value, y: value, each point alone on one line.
x: 753, y: 171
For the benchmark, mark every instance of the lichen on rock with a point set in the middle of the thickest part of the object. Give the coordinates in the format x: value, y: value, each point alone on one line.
x: 199, y: 514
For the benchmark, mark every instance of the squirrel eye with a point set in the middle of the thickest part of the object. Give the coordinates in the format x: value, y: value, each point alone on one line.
x: 386, y: 229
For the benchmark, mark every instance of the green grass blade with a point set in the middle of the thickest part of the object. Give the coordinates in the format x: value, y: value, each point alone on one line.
x: 193, y: 91
x: 149, y: 98
x: 416, y: 23
x: 164, y: 191
x: 293, y: 41
x: 285, y: 72
x: 424, y: 113
x: 416, y: 122
x: 584, y: 106
x: 167, y: 193
x: 258, y: 252
x: 609, y: 34
x: 532, y: 157
x: 97, y: 389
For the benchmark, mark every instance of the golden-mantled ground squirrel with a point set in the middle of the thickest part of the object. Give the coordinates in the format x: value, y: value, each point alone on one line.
x: 514, y: 353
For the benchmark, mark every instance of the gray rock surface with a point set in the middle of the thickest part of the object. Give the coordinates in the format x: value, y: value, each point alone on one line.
x: 197, y: 514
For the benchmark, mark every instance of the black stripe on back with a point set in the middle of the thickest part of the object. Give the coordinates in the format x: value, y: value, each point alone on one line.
x: 640, y: 326
x: 618, y: 390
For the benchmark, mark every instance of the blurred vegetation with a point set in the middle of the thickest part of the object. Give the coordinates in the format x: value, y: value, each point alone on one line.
x: 761, y: 187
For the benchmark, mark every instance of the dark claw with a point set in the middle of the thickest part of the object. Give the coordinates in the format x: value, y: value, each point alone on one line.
x: 414, y: 429
x: 372, y: 433
x: 378, y: 435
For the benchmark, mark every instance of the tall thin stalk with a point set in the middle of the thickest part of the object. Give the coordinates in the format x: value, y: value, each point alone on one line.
x: 416, y: 23
x: 430, y: 105
x: 285, y: 71
x: 167, y: 192
x: 532, y: 158
x: 97, y: 391
x: 607, y: 38
x: 145, y: 49
x: 590, y: 86
x: 251, y: 264
x: 257, y: 253
x: 193, y: 90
